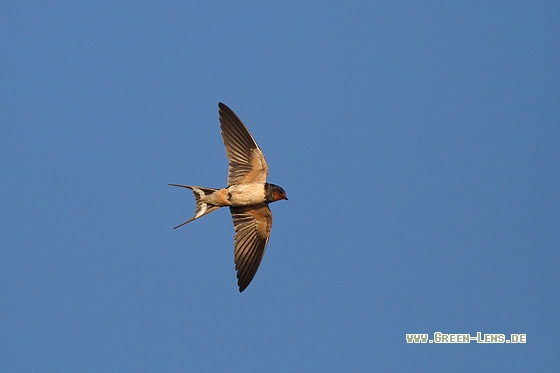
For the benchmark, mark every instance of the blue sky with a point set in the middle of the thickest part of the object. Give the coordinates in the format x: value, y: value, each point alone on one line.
x: 418, y: 143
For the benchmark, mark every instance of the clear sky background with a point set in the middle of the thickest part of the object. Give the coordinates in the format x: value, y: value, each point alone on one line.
x: 418, y: 142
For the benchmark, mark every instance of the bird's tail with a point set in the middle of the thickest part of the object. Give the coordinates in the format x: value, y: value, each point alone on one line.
x: 202, y: 208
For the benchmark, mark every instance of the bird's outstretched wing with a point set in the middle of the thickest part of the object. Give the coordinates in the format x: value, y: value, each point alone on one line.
x: 252, y: 230
x: 246, y: 160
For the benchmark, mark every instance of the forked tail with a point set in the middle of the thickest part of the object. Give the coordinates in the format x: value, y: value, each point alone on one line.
x: 202, y: 208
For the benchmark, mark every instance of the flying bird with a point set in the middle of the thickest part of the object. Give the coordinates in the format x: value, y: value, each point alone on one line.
x: 247, y: 195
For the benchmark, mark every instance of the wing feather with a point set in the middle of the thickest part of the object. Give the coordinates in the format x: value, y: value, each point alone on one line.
x: 246, y: 160
x: 252, y: 229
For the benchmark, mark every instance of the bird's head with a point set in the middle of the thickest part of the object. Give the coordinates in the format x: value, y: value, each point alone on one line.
x: 275, y: 193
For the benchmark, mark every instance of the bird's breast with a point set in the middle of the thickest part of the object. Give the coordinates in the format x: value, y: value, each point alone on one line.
x: 246, y: 194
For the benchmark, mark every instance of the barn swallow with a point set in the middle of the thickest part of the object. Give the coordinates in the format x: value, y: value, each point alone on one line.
x: 247, y: 195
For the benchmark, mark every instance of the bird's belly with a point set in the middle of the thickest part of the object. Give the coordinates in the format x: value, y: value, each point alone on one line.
x: 246, y: 194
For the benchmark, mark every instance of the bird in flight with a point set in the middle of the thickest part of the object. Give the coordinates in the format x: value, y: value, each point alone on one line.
x: 247, y: 195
